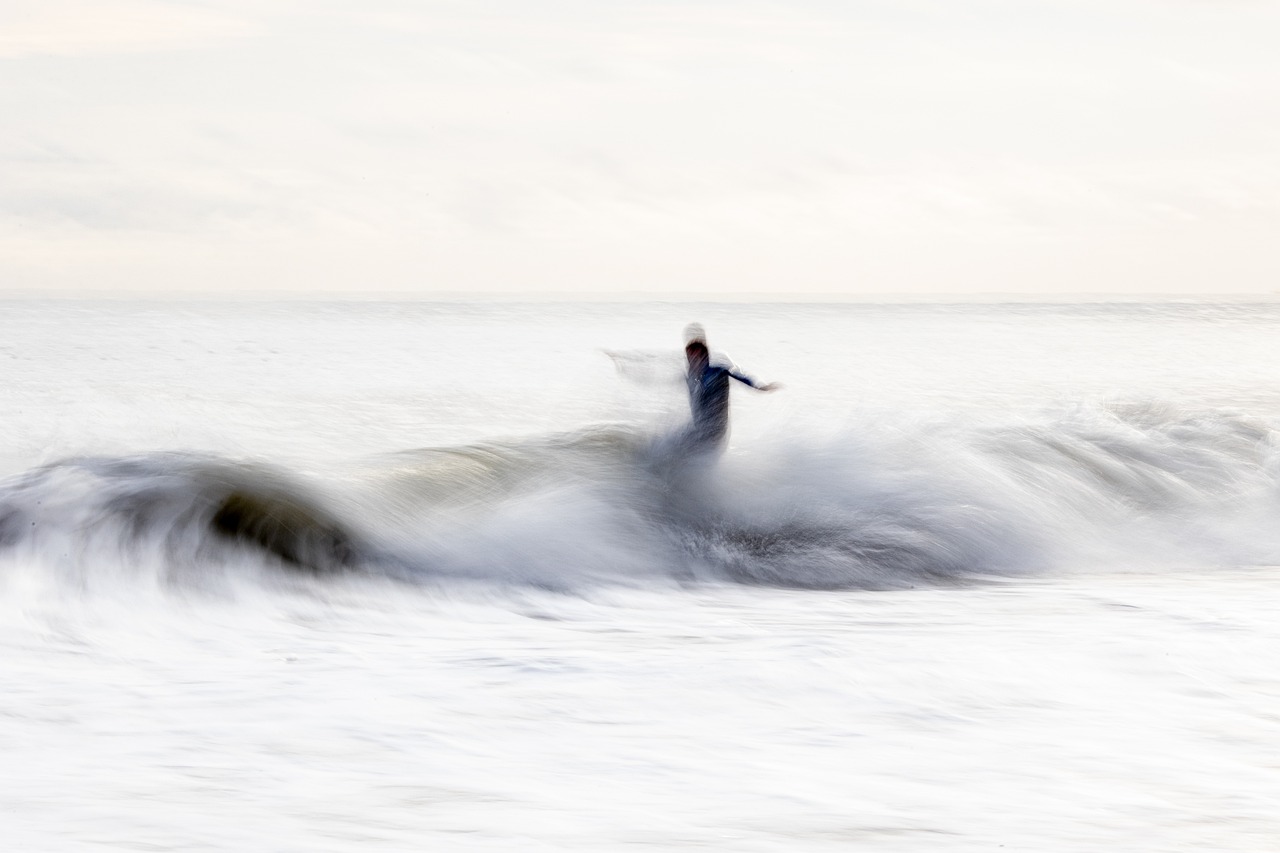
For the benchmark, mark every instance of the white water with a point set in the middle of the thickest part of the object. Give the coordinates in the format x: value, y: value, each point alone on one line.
x: 1040, y: 537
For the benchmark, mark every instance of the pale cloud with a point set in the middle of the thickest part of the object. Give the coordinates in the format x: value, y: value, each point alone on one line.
x: 88, y: 27
x: 700, y: 146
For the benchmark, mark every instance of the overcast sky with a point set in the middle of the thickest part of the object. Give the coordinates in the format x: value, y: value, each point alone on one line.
x: 813, y: 146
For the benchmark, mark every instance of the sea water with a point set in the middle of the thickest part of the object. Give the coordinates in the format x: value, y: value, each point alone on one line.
x: 978, y: 576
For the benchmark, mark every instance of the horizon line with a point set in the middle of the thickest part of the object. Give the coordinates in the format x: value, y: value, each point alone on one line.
x: 627, y: 297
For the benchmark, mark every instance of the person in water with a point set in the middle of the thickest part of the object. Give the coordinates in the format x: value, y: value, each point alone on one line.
x: 708, y: 383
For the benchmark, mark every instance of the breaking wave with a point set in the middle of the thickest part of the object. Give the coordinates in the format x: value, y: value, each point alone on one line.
x: 889, y: 504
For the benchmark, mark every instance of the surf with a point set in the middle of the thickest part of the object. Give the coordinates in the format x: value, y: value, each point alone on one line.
x: 873, y: 506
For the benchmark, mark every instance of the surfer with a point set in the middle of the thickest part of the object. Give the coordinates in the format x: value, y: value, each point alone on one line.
x: 708, y: 383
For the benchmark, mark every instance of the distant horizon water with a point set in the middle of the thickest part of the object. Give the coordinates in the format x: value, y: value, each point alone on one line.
x: 640, y: 297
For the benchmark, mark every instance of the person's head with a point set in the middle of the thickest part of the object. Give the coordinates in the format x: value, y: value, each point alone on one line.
x: 695, y: 345
x: 696, y: 352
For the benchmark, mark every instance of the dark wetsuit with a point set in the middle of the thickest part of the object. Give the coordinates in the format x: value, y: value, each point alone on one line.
x: 709, y: 404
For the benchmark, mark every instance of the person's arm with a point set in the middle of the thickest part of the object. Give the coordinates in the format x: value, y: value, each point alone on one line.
x: 648, y: 367
x: 752, y: 383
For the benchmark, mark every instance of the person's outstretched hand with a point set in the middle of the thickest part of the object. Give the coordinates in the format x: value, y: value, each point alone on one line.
x: 772, y: 386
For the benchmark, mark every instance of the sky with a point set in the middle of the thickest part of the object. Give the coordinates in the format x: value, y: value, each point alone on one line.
x: 838, y: 148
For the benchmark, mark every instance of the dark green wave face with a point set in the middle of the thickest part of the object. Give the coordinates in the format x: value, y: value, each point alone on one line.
x: 300, y: 534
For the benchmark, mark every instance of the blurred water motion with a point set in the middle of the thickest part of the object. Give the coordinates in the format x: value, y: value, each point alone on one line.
x: 326, y: 575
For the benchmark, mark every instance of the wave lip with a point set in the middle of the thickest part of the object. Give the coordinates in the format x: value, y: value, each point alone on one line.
x: 182, y: 508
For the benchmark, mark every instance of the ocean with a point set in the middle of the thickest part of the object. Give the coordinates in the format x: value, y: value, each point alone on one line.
x: 327, y: 576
